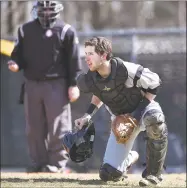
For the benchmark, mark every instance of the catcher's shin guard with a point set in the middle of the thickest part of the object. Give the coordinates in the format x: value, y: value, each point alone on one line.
x: 156, y: 154
x: 157, y: 141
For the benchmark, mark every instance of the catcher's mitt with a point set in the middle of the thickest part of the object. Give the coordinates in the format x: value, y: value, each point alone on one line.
x: 123, y: 127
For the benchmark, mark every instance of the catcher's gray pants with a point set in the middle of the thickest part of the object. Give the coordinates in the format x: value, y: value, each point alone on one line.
x: 118, y: 155
x: 48, y: 118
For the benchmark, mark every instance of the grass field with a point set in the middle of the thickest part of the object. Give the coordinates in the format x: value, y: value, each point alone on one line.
x: 80, y: 180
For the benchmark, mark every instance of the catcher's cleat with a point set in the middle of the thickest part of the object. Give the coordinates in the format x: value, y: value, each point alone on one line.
x: 149, y: 179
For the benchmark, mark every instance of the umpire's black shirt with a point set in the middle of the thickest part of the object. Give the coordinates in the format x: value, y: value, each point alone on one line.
x: 47, y: 53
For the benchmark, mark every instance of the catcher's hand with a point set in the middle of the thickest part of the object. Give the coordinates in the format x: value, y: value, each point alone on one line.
x: 123, y: 127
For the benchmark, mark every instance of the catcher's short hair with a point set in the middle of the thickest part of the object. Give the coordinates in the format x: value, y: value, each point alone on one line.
x: 102, y: 45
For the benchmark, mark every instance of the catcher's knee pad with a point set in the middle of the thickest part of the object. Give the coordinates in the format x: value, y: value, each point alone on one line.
x: 109, y: 173
x: 156, y: 127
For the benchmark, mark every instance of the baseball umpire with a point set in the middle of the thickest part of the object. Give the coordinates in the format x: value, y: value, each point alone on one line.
x: 47, y: 50
x: 128, y: 90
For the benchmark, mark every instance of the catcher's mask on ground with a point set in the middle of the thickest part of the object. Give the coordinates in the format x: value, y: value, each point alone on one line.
x: 79, y: 145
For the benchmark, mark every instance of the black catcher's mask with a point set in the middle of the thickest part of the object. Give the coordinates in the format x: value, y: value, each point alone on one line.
x: 79, y: 145
x: 48, y: 12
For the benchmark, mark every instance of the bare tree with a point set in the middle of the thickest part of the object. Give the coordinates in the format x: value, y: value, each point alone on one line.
x: 182, y: 13
x: 101, y: 15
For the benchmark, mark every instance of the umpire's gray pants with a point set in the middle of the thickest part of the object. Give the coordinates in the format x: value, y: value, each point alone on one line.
x: 48, y: 118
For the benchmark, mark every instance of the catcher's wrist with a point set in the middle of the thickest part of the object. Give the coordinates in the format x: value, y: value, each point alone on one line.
x: 141, y: 107
x: 92, y: 109
x: 88, y: 116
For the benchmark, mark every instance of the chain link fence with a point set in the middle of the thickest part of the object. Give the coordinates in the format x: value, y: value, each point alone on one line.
x: 90, y: 15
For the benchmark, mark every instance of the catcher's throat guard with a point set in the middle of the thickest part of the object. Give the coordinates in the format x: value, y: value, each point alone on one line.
x: 123, y: 126
x: 79, y: 145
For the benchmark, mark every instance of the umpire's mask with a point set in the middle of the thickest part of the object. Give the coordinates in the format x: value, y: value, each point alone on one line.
x: 79, y: 145
x: 47, y: 12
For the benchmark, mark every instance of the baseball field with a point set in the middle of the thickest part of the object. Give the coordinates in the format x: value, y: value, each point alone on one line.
x: 80, y: 180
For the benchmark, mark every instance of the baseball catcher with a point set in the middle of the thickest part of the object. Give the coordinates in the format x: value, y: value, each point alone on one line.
x: 128, y: 91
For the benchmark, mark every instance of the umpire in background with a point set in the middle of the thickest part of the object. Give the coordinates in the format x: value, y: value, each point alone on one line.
x: 47, y: 50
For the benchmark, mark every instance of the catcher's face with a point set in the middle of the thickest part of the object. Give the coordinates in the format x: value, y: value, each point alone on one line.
x: 93, y: 60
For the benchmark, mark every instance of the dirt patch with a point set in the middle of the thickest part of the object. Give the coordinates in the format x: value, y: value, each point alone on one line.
x: 81, y: 180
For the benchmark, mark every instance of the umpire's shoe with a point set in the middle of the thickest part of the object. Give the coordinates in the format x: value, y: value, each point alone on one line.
x: 149, y: 180
x: 55, y: 169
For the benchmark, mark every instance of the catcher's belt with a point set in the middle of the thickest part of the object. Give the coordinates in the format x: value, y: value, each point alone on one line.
x: 123, y: 127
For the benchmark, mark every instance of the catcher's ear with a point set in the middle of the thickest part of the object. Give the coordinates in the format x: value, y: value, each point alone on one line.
x: 103, y: 57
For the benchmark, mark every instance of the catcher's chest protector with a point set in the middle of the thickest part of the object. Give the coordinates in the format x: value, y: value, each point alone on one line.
x: 112, y: 90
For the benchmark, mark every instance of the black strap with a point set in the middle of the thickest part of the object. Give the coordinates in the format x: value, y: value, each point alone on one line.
x: 137, y: 75
x: 92, y: 109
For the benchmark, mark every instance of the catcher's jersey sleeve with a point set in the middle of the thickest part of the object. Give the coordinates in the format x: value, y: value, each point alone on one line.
x: 148, y: 80
x: 81, y: 83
